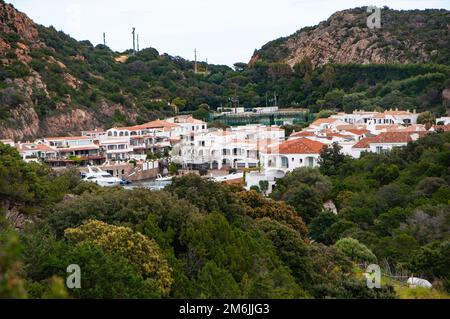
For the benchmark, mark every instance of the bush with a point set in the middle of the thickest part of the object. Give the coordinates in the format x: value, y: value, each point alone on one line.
x: 355, y: 250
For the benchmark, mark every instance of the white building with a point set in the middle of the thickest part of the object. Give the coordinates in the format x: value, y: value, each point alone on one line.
x: 76, y: 146
x: 188, y: 125
x: 387, y: 117
x: 32, y: 152
x: 285, y: 157
x: 385, y: 142
x: 445, y: 120
x: 238, y: 147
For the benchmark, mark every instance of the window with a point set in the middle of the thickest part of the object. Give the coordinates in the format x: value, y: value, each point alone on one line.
x: 379, y: 149
x: 284, y: 162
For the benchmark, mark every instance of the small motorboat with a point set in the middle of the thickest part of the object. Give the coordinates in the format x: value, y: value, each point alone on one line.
x: 230, y: 177
x: 160, y: 178
x: 100, y: 177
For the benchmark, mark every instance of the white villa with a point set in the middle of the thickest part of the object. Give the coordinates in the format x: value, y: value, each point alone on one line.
x: 387, y: 117
x: 238, y: 147
x: 279, y: 159
x: 385, y: 142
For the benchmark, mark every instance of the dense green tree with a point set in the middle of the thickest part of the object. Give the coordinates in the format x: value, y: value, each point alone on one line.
x: 331, y: 159
x: 12, y: 284
x: 319, y: 225
x: 355, y: 250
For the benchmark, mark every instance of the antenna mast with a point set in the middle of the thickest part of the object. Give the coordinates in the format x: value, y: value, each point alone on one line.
x: 138, y: 42
x: 134, y: 39
x: 195, y: 61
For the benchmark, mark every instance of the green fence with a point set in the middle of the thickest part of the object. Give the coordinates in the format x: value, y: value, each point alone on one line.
x: 272, y: 118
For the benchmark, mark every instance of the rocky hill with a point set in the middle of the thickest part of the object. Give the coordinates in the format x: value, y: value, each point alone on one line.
x: 52, y: 84
x: 404, y: 37
x: 37, y: 89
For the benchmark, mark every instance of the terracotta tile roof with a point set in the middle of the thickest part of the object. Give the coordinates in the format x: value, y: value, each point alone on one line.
x: 149, y: 125
x: 300, y: 146
x: 411, y: 128
x: 335, y: 134
x: 393, y: 137
x: 364, y: 143
x: 303, y: 133
x: 391, y: 127
x: 346, y: 127
x: 324, y: 121
x: 357, y: 131
x: 386, y: 137
x: 187, y: 120
x: 36, y: 147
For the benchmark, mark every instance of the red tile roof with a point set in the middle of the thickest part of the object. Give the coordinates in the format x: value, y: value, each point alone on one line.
x: 324, y: 121
x: 357, y: 131
x: 36, y: 147
x: 364, y: 143
x: 300, y: 146
x: 386, y: 137
x: 303, y: 133
x: 393, y: 137
x: 149, y: 125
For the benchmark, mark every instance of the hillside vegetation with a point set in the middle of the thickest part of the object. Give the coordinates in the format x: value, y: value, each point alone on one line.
x: 51, y: 84
x: 200, y: 239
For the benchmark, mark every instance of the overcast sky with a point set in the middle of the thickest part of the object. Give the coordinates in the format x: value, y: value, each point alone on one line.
x: 224, y: 32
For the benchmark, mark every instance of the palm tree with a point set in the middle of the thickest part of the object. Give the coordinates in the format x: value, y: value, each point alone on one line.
x: 427, y: 118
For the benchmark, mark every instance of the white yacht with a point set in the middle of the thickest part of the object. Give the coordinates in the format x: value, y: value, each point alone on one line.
x: 159, y: 178
x: 230, y: 177
x: 102, y: 178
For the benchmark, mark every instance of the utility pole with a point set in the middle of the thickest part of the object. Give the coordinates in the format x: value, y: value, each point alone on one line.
x: 104, y: 38
x: 134, y: 40
x: 138, y: 42
x: 195, y: 61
